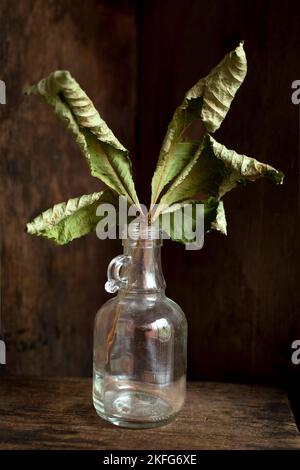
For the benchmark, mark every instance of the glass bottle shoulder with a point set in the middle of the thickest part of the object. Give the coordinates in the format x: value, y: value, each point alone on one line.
x: 142, y: 308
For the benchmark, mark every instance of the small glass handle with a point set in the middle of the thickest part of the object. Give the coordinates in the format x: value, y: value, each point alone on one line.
x: 114, y: 280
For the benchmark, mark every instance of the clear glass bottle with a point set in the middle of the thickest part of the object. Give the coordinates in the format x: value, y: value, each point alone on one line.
x: 140, y: 340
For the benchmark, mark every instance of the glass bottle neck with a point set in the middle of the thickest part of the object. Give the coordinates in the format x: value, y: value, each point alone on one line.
x: 143, y: 272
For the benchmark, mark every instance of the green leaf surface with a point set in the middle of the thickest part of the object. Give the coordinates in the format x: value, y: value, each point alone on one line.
x: 72, y: 219
x: 107, y: 158
x: 217, y: 171
x: 214, y: 219
x: 209, y: 100
x: 219, y: 87
x: 219, y: 221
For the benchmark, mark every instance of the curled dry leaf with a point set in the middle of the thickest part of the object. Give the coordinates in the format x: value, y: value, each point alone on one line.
x: 72, y: 219
x: 209, y: 100
x: 213, y: 213
x: 217, y: 171
x: 107, y: 158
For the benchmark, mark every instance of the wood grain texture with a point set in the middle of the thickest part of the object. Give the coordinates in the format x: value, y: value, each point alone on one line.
x: 50, y: 294
x: 240, y: 293
x: 58, y: 414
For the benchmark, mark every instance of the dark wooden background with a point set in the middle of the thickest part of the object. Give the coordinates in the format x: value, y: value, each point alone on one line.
x: 50, y: 294
x: 136, y: 60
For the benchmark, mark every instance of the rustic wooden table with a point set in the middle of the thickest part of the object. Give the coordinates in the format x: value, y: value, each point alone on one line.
x: 57, y: 413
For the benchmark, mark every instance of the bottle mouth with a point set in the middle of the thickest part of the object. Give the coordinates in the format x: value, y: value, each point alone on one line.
x: 142, y: 231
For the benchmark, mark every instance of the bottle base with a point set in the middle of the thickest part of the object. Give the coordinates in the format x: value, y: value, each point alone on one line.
x: 135, y: 409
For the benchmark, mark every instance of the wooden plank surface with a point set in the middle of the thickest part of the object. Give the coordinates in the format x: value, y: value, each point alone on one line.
x: 240, y: 292
x: 50, y: 294
x: 57, y: 413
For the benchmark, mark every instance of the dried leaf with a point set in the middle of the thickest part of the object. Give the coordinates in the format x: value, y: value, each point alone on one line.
x: 214, y: 219
x: 72, y: 219
x: 208, y: 100
x: 107, y: 158
x: 220, y: 223
x: 217, y: 171
x: 219, y: 88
